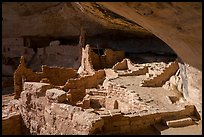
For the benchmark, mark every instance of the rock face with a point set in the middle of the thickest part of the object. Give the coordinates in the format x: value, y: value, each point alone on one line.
x: 182, y: 21
x: 51, y: 19
x: 194, y: 86
x: 56, y: 95
x: 177, y: 24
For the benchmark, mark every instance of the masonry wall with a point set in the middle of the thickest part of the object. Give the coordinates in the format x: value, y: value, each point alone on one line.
x: 86, y: 61
x: 107, y: 60
x: 12, y: 50
x: 55, y: 75
x: 61, y: 56
x: 43, y: 117
x: 112, y: 57
x: 130, y: 124
x: 58, y: 76
x: 159, y: 80
x: 76, y: 87
x: 56, y: 55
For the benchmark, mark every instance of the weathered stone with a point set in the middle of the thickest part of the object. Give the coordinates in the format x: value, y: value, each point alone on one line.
x: 159, y: 80
x: 56, y: 95
x: 180, y: 122
x: 121, y: 65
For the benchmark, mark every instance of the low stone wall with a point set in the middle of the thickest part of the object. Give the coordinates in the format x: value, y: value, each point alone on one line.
x: 42, y: 117
x: 76, y: 87
x: 121, y: 65
x: 58, y: 75
x: 55, y: 75
x: 32, y: 105
x: 64, y: 119
x: 159, y: 80
x: 112, y: 57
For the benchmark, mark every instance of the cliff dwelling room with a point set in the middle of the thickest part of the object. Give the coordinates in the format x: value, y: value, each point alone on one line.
x: 101, y: 68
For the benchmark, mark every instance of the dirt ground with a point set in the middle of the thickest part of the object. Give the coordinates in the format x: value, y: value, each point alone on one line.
x: 157, y: 98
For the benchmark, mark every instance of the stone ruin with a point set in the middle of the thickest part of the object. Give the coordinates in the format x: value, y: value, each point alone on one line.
x: 64, y: 101
x: 74, y: 88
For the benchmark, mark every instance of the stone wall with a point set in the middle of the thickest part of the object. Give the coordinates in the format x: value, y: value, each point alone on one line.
x: 58, y: 75
x: 112, y: 57
x: 64, y: 119
x: 44, y: 117
x: 117, y: 123
x: 121, y: 65
x: 32, y: 105
x: 92, y: 61
x: 160, y: 79
x: 12, y: 50
x: 61, y: 56
x: 76, y: 87
x: 86, y: 62
x: 56, y: 55
x: 55, y: 75
x: 107, y: 60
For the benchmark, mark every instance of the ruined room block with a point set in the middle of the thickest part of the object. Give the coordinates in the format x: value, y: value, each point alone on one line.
x: 21, y: 74
x: 110, y: 74
x: 71, y: 120
x: 112, y: 57
x: 96, y: 79
x: 86, y: 102
x: 56, y: 95
x: 58, y: 75
x: 76, y: 95
x: 121, y: 65
x: 32, y: 104
x: 95, y: 60
x: 37, y: 88
x: 159, y: 80
x: 86, y: 61
x: 97, y: 101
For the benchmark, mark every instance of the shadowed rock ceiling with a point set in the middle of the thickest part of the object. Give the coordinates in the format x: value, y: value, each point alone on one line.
x: 177, y: 24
